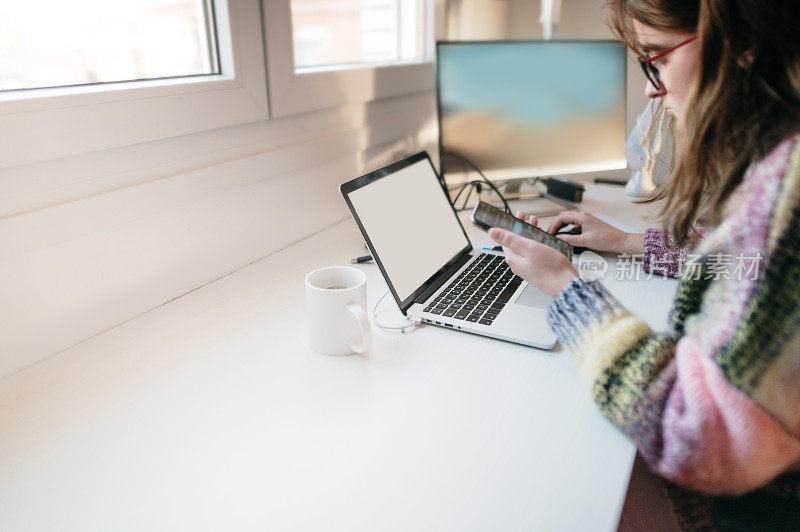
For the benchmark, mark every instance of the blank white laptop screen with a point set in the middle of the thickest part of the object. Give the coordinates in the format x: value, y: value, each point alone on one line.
x: 410, y: 224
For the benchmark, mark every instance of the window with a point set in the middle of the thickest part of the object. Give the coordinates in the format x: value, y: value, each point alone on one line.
x: 89, y: 75
x: 347, y: 32
x: 96, y: 41
x: 325, y: 53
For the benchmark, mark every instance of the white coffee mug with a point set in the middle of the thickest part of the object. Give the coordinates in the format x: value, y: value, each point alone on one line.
x: 336, y: 302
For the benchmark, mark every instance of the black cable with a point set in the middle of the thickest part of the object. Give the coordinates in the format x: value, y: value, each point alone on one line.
x: 469, y: 193
x: 469, y: 184
x: 474, y: 167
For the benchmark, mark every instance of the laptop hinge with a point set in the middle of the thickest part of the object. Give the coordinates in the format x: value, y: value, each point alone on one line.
x: 447, y: 274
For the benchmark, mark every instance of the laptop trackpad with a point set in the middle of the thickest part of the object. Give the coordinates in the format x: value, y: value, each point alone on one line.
x: 532, y: 297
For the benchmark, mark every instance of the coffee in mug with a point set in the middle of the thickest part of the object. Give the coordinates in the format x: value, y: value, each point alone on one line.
x: 336, y: 302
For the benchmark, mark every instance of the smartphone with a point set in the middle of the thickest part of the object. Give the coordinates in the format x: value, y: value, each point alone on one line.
x: 487, y: 216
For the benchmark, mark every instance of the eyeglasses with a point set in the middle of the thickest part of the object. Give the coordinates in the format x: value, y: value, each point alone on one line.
x: 651, y: 71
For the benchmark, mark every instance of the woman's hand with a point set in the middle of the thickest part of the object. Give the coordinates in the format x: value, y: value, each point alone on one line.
x: 542, y: 266
x: 596, y: 234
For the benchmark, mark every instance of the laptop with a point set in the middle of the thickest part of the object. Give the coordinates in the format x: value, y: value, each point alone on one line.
x: 429, y: 264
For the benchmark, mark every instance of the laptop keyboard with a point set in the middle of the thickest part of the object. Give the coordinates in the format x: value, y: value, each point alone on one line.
x: 479, y: 293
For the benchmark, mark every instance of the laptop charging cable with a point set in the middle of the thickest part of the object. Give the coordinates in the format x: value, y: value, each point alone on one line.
x: 410, y: 325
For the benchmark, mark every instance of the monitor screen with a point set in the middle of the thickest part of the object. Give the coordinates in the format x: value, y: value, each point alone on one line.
x: 532, y: 108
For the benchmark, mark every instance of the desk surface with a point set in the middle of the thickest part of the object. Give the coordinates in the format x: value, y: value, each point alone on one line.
x: 211, y: 413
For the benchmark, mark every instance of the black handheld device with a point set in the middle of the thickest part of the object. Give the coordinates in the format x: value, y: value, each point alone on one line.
x: 487, y: 216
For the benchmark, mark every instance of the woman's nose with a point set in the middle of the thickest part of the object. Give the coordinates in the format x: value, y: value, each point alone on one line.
x: 651, y: 92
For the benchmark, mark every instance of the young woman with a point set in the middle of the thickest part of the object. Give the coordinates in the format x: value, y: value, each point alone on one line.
x: 714, y: 403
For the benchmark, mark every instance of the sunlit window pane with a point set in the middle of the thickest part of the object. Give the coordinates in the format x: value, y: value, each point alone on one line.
x: 336, y: 32
x: 51, y: 43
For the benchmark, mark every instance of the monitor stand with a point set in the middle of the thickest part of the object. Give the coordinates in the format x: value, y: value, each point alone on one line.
x: 512, y: 190
x: 542, y: 204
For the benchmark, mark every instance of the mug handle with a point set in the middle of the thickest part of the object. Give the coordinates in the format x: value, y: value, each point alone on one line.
x: 363, y: 324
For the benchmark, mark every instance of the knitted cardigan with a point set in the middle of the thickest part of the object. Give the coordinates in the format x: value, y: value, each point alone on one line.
x: 713, y: 404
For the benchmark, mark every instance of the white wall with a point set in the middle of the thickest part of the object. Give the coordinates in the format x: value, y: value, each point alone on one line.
x: 88, y: 242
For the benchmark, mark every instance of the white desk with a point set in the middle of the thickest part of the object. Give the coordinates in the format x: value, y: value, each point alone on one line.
x: 211, y: 413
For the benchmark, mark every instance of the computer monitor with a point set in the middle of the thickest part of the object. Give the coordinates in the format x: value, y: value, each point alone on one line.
x: 532, y: 108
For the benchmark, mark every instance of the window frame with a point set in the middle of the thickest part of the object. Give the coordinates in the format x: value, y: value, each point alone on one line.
x: 312, y: 89
x: 50, y: 123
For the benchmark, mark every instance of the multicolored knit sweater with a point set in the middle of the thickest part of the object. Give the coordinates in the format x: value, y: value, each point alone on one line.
x: 713, y: 404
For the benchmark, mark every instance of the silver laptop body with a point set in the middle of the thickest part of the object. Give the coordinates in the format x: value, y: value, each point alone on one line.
x: 424, y: 254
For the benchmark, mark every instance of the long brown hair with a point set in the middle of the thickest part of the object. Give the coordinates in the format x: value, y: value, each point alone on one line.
x: 746, y: 99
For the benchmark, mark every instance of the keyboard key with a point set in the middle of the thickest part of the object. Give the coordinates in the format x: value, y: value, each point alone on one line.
x: 509, y: 290
x: 427, y: 309
x: 436, y: 311
x: 461, y: 314
x: 473, y: 317
x: 485, y: 321
x: 449, y: 312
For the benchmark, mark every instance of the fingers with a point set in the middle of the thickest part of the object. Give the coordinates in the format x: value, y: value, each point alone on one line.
x: 513, y: 260
x: 514, y: 252
x: 533, y: 220
x: 565, y: 218
x: 501, y: 236
x: 509, y: 240
x: 573, y: 240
